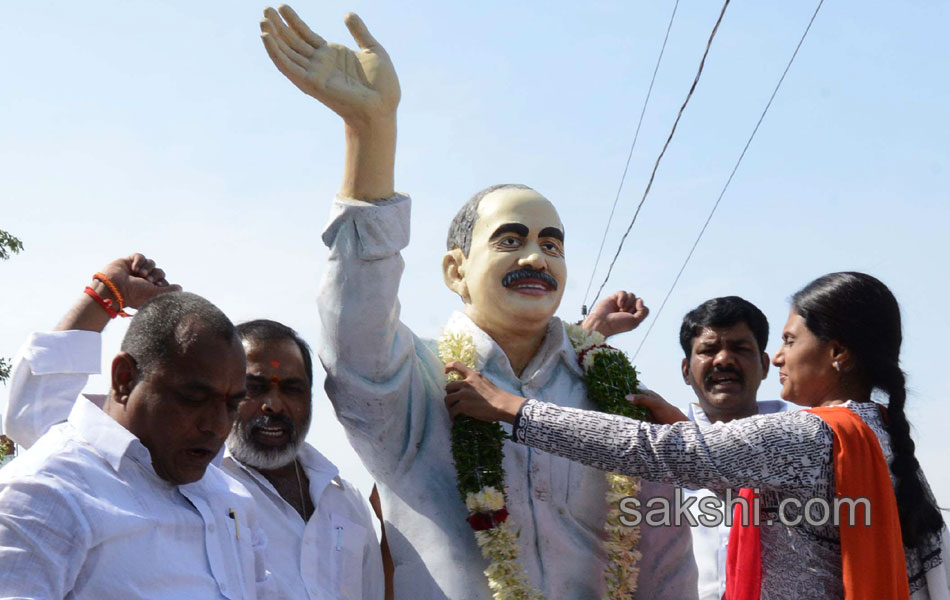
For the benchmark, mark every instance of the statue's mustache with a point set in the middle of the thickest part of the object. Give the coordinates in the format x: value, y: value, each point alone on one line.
x: 520, y: 274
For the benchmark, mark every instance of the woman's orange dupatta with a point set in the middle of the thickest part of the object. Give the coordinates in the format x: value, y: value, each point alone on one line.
x: 872, y: 558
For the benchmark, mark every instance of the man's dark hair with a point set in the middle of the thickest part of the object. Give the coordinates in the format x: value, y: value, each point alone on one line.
x: 460, y: 230
x: 159, y: 332
x: 723, y: 312
x: 265, y: 330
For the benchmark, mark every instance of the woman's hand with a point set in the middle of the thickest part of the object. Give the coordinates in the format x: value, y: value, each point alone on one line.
x: 474, y: 396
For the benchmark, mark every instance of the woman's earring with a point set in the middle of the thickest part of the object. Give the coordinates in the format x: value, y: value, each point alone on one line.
x: 837, y: 366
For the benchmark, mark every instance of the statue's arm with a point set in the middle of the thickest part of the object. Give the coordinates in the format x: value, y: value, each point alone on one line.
x: 369, y: 356
x: 618, y: 313
x: 360, y: 86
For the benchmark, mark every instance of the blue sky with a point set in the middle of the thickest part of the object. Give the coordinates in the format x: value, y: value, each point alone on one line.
x: 162, y: 127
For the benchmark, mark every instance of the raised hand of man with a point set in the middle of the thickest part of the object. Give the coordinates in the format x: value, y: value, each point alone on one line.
x: 137, y: 280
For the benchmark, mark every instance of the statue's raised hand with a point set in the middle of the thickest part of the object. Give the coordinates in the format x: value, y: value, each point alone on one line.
x: 360, y: 86
x: 619, y: 313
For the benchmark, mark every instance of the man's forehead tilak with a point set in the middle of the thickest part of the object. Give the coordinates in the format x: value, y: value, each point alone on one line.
x: 274, y: 378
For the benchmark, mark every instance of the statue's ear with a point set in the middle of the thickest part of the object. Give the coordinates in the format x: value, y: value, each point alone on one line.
x: 453, y: 272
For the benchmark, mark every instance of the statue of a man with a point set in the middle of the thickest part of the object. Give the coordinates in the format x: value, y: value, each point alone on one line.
x: 506, y: 262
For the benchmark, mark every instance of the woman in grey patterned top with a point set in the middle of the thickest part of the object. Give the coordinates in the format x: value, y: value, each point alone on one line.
x: 842, y: 340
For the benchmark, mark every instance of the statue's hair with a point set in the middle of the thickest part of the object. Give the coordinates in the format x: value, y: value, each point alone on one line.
x: 165, y: 326
x: 460, y: 230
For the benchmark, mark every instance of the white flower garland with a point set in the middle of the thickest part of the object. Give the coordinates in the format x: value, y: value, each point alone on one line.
x: 497, y: 535
x: 621, y: 573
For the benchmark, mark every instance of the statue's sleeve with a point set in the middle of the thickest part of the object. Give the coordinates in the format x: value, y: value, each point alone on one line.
x: 377, y: 371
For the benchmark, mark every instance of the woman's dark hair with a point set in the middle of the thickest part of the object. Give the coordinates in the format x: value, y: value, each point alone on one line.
x: 861, y: 313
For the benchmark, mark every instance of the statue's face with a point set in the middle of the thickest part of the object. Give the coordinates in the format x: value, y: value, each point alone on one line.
x: 514, y: 275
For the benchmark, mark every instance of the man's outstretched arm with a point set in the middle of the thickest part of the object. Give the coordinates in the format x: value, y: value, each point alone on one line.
x: 51, y: 369
x: 360, y: 86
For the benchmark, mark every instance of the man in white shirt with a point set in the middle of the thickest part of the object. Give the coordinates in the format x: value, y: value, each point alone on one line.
x: 321, y: 540
x: 723, y: 340
x: 121, y: 501
x: 387, y: 385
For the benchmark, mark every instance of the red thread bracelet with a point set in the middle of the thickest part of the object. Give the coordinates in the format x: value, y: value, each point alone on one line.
x: 105, y: 304
x: 114, y: 291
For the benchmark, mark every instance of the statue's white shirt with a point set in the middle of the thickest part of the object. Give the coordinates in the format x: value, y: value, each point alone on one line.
x: 387, y: 386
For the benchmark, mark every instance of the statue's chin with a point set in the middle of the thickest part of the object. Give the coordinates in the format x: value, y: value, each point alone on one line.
x: 516, y: 317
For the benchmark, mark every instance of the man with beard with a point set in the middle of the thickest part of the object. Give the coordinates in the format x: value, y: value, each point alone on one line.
x: 321, y: 541
x: 321, y: 538
x: 506, y: 262
x: 724, y: 342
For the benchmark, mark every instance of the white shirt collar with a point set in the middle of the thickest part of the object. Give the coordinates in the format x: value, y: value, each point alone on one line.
x: 320, y: 471
x: 113, y: 441
x: 556, y: 345
x: 763, y: 407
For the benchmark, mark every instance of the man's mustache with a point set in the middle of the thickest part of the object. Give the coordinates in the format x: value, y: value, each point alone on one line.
x: 272, y: 421
x: 526, y: 273
x: 723, y: 370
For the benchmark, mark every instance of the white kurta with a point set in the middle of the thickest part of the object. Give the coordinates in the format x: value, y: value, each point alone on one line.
x: 333, y: 556
x: 83, y: 515
x: 710, y: 544
x: 387, y: 386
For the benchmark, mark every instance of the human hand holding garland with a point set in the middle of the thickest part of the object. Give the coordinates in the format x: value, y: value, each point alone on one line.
x: 661, y: 411
x: 477, y: 452
x: 477, y: 397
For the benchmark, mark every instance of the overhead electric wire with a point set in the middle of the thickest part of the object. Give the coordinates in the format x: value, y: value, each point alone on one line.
x: 679, y: 115
x: 729, y: 180
x: 633, y: 145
